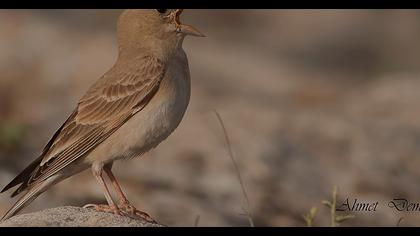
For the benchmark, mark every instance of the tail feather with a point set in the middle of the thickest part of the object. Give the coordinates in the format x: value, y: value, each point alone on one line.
x: 28, y: 171
x: 23, y: 176
x: 30, y: 195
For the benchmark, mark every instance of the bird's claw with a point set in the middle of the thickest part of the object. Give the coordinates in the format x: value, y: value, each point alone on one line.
x: 104, y: 208
x: 132, y: 212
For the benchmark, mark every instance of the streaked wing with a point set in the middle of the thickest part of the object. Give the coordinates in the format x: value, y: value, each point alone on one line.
x: 108, y: 104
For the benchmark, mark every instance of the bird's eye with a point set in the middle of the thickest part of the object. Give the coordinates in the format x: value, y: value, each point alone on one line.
x: 162, y: 11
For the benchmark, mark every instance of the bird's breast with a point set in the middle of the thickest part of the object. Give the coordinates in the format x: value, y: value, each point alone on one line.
x: 156, y: 121
x: 167, y: 108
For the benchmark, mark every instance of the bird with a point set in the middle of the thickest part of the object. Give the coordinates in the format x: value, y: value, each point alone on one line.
x: 128, y: 111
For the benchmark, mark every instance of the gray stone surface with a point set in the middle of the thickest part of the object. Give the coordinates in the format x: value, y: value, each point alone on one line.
x: 73, y: 217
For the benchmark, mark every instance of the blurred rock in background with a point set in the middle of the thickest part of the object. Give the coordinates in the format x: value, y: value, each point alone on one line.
x: 310, y: 98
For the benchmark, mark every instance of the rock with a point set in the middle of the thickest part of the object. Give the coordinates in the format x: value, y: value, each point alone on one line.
x: 73, y: 217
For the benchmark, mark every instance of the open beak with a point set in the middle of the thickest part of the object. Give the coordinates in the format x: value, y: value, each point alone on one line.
x: 186, y: 29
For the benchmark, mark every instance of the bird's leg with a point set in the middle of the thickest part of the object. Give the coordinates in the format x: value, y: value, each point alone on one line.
x: 97, y: 170
x: 124, y: 204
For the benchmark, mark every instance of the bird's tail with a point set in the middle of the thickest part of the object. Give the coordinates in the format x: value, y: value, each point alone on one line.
x: 30, y: 195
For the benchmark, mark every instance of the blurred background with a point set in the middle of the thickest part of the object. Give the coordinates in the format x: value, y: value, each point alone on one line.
x: 310, y: 99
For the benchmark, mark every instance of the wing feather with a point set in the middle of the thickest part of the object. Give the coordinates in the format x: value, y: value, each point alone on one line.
x: 107, y: 105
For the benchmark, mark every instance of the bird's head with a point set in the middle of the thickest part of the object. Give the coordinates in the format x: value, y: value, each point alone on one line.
x: 172, y: 24
x: 153, y: 29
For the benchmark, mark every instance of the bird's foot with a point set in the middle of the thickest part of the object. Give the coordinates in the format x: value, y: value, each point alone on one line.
x: 132, y: 212
x: 104, y: 208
